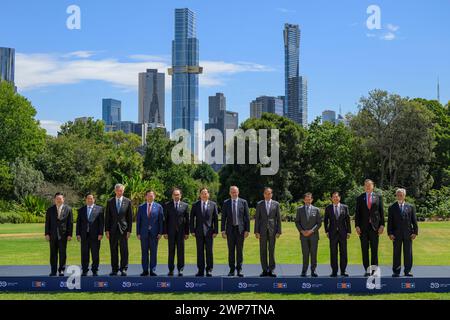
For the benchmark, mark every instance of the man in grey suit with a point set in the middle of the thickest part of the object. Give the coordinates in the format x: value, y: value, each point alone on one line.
x: 308, y: 222
x: 267, y: 230
x: 235, y: 228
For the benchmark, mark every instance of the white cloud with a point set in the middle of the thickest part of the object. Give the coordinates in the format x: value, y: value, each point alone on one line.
x: 392, y: 27
x: 80, y: 54
x: 285, y: 10
x: 389, y: 36
x: 43, y: 70
x: 52, y: 127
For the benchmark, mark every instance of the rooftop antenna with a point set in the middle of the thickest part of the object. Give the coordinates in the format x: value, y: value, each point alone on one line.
x: 438, y: 91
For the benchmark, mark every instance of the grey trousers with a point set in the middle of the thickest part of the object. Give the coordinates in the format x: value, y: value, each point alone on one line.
x: 309, y: 251
x: 267, y: 246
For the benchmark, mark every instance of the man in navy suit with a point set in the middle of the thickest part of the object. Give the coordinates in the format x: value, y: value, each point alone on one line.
x: 89, y: 230
x: 369, y: 224
x: 149, y: 228
x: 402, y: 230
x: 204, y: 227
x: 235, y: 228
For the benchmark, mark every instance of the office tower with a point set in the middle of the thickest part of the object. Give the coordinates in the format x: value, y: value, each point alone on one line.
x: 329, y: 116
x: 296, y: 101
x: 266, y: 104
x: 185, y: 70
x: 152, y: 97
x: 221, y: 119
x: 7, y: 64
x: 111, y: 114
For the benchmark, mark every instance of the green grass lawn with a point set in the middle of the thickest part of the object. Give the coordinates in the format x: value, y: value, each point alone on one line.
x: 25, y: 245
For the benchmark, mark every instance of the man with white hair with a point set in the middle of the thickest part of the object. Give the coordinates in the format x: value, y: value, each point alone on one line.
x: 118, y: 224
x: 402, y: 230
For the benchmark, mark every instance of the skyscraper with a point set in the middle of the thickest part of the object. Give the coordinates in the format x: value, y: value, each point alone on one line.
x: 329, y: 116
x: 221, y: 119
x: 296, y: 101
x: 111, y: 113
x: 7, y: 64
x: 266, y: 104
x: 185, y: 70
x: 152, y: 97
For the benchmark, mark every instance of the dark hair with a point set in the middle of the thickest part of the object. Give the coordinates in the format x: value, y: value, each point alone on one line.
x: 204, y: 188
x: 58, y: 194
x: 177, y: 189
x: 267, y: 188
x: 150, y: 190
x: 336, y: 192
x: 308, y: 194
x: 89, y: 194
x: 369, y: 180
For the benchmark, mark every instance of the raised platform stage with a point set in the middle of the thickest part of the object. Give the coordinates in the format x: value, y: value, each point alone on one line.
x: 35, y: 279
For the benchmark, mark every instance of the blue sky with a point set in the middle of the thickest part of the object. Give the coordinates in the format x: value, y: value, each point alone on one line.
x: 66, y: 73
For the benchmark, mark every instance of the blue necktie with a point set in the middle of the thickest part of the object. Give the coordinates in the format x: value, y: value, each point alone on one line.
x: 89, y: 213
x: 118, y: 204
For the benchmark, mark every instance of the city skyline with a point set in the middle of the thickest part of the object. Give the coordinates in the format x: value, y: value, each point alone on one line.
x: 342, y: 58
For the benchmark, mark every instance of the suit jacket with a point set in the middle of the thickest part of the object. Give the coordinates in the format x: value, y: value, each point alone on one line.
x: 243, y: 216
x: 176, y: 220
x: 313, y: 223
x: 399, y: 224
x: 363, y: 214
x: 268, y: 221
x: 121, y: 221
x: 96, y: 222
x: 155, y: 223
x: 61, y: 228
x: 337, y: 227
x: 197, y: 221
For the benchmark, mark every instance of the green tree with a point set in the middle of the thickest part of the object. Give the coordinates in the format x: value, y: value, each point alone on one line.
x: 22, y: 137
x: 27, y: 180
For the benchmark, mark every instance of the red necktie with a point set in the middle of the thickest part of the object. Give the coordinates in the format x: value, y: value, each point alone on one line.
x: 369, y: 202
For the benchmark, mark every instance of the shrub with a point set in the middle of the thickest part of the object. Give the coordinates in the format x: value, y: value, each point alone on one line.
x: 11, y: 217
x: 34, y: 205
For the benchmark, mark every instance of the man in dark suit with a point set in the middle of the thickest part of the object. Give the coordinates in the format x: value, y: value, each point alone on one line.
x: 176, y: 230
x: 308, y: 222
x: 369, y: 224
x: 89, y: 230
x: 204, y: 227
x: 402, y: 230
x: 118, y: 226
x: 235, y: 228
x: 58, y: 230
x: 338, y: 230
x: 267, y: 230
x: 149, y: 228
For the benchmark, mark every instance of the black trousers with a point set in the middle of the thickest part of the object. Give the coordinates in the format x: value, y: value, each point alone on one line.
x: 267, y: 246
x: 405, y: 242
x: 90, y: 247
x: 204, y: 246
x: 176, y: 243
x: 338, y: 243
x: 58, y: 248
x: 118, y: 241
x: 235, y: 241
x: 369, y: 239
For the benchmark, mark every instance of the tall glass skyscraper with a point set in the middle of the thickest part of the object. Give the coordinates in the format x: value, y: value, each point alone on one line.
x: 152, y: 97
x: 185, y: 70
x: 296, y: 101
x: 7, y: 61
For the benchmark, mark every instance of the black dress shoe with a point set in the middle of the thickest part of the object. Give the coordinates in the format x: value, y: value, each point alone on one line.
x: 94, y: 273
x: 395, y: 275
x: 239, y: 274
x: 170, y: 274
x: 180, y: 274
x: 199, y: 274
x: 208, y: 274
x: 123, y: 273
x: 408, y: 274
x: 366, y: 274
x: 303, y: 275
x: 345, y: 275
x: 144, y: 274
x: 113, y: 274
x: 53, y: 274
x: 314, y: 275
x: 231, y: 273
x: 264, y: 274
x: 84, y: 274
x: 333, y: 275
x: 152, y: 274
x: 272, y: 275
x: 61, y: 274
